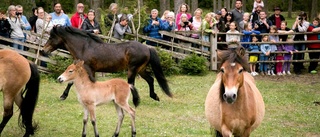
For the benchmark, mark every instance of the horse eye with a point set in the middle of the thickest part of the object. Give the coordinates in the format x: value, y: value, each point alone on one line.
x: 240, y: 71
x: 222, y: 70
x: 70, y: 71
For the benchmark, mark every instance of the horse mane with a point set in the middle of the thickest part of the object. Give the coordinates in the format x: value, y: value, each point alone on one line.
x: 235, y: 55
x: 62, y: 31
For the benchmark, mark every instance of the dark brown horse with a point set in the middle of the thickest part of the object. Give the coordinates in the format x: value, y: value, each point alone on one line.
x: 99, y: 56
x: 16, y: 73
x: 234, y: 105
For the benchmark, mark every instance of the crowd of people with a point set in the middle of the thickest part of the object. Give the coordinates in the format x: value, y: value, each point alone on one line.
x: 237, y: 24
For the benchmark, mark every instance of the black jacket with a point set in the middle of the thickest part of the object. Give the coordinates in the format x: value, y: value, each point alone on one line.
x: 272, y: 18
x: 87, y: 26
x: 4, y: 26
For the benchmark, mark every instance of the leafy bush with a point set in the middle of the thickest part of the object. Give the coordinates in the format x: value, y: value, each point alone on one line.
x: 169, y: 66
x: 59, y: 68
x: 193, y: 65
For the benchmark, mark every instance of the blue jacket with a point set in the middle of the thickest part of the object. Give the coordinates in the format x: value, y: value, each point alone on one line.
x: 153, y: 30
x: 254, y: 48
x: 264, y: 49
x: 247, y: 37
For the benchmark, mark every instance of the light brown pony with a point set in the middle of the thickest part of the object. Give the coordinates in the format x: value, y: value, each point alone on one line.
x: 90, y: 94
x: 16, y: 73
x: 234, y: 105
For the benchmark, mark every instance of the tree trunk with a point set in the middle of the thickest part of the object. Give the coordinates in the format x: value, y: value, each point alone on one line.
x: 266, y: 7
x: 96, y: 5
x: 194, y: 5
x: 225, y: 3
x: 168, y: 4
x: 75, y: 4
x: 244, y: 7
x: 290, y: 9
x: 177, y: 4
x: 214, y: 4
x: 219, y: 4
x: 314, y: 9
x: 162, y: 6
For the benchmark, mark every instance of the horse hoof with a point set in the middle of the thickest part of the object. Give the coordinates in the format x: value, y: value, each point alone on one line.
x: 63, y: 97
x: 156, y: 98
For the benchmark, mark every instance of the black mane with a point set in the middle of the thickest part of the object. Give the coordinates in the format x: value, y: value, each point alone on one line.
x: 62, y: 31
x: 235, y: 55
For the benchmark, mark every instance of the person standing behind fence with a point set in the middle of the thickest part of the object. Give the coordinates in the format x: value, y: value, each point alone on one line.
x: 183, y: 9
x: 121, y: 27
x: 314, y: 27
x: 265, y: 49
x: 300, y: 25
x: 276, y: 18
x: 256, y: 4
x: 288, y: 56
x: 58, y: 17
x: 247, y: 34
x: 78, y: 18
x: 253, y: 57
x: 246, y: 17
x: 232, y: 35
x: 4, y: 28
x: 185, y: 25
x: 196, y: 21
x: 113, y: 14
x: 90, y: 24
x: 154, y: 24
x: 33, y: 19
x: 206, y: 27
x: 274, y: 38
x: 43, y: 25
x: 17, y: 27
x: 237, y: 12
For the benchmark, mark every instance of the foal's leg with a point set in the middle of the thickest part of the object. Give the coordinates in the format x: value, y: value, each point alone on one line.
x: 66, y: 91
x: 120, y: 119
x: 147, y: 76
x: 8, y: 110
x: 92, y: 110
x: 131, y: 111
x: 85, y: 120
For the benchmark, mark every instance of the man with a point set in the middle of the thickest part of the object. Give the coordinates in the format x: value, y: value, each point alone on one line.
x: 237, y: 12
x: 262, y: 24
x: 78, y: 18
x: 27, y: 26
x: 121, y: 27
x: 276, y: 18
x: 154, y: 25
x: 59, y: 18
x: 255, y: 15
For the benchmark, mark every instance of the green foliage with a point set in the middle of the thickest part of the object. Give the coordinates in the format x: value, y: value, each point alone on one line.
x: 57, y: 69
x: 169, y: 66
x: 193, y: 65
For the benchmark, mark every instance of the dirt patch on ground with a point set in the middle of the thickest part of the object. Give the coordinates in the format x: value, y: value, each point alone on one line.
x: 306, y: 78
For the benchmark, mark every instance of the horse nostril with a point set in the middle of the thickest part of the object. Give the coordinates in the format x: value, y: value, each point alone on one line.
x: 224, y: 96
x: 234, y: 96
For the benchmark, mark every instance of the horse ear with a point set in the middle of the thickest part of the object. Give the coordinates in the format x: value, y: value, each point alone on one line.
x: 241, y: 51
x: 219, y: 53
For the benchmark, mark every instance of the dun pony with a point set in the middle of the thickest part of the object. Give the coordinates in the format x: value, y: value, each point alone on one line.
x: 16, y: 73
x: 234, y: 105
x: 90, y: 94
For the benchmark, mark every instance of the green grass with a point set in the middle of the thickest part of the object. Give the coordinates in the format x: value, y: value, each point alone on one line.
x: 289, y: 109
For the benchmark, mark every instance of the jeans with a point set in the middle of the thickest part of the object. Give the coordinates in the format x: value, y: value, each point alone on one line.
x: 17, y: 46
x: 263, y: 66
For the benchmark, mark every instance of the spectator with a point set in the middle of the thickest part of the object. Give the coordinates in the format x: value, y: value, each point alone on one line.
x: 196, y: 22
x: 27, y: 25
x: 231, y: 36
x: 164, y: 15
x: 206, y: 26
x: 263, y: 24
x: 112, y: 15
x: 314, y: 27
x: 17, y: 26
x: 237, y: 12
x: 256, y: 4
x: 4, y: 28
x: 220, y: 27
x: 284, y: 29
x: 154, y: 25
x: 255, y: 15
x: 58, y: 17
x: 90, y: 24
x: 276, y: 18
x: 121, y: 27
x: 183, y: 9
x: 78, y: 18
x: 265, y: 49
x: 273, y: 38
x: 247, y: 34
x: 246, y: 17
x: 169, y: 25
x: 253, y: 58
x: 185, y: 25
x: 300, y: 25
x: 224, y: 12
x: 228, y: 20
x: 43, y: 24
x: 287, y: 56
x: 33, y: 19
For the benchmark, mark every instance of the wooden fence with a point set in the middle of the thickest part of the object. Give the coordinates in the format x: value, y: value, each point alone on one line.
x: 33, y: 52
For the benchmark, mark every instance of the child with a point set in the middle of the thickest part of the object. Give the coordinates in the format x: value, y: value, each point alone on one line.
x: 273, y: 47
x: 256, y: 3
x: 232, y: 37
x: 247, y: 34
x: 206, y: 26
x: 265, y: 49
x: 246, y: 17
x: 253, y: 58
x: 287, y: 57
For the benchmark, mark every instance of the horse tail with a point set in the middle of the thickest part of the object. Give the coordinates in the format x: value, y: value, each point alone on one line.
x: 29, y: 101
x: 135, y: 96
x: 157, y: 70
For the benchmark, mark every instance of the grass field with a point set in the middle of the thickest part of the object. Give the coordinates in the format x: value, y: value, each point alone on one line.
x: 290, y: 110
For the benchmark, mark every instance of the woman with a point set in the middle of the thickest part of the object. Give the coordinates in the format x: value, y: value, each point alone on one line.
x: 108, y: 20
x: 183, y: 9
x: 43, y: 24
x: 196, y: 21
x: 121, y: 27
x: 4, y: 27
x: 16, y: 26
x: 33, y: 19
x: 90, y: 24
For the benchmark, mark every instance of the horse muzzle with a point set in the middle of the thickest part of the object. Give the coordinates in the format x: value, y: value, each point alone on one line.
x: 60, y: 79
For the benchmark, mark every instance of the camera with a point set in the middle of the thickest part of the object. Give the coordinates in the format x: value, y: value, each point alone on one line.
x: 186, y: 23
x: 300, y: 18
x: 18, y: 13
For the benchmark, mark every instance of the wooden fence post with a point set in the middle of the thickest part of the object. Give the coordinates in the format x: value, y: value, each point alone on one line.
x: 213, y: 57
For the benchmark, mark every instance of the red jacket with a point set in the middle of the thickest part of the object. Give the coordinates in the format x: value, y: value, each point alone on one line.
x: 76, y: 21
x: 313, y: 37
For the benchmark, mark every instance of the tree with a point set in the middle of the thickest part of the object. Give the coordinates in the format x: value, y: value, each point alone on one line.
x: 163, y: 4
x: 177, y: 4
x: 95, y: 5
x: 290, y: 9
x: 219, y: 4
x: 314, y: 9
x: 194, y: 5
x: 244, y: 7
